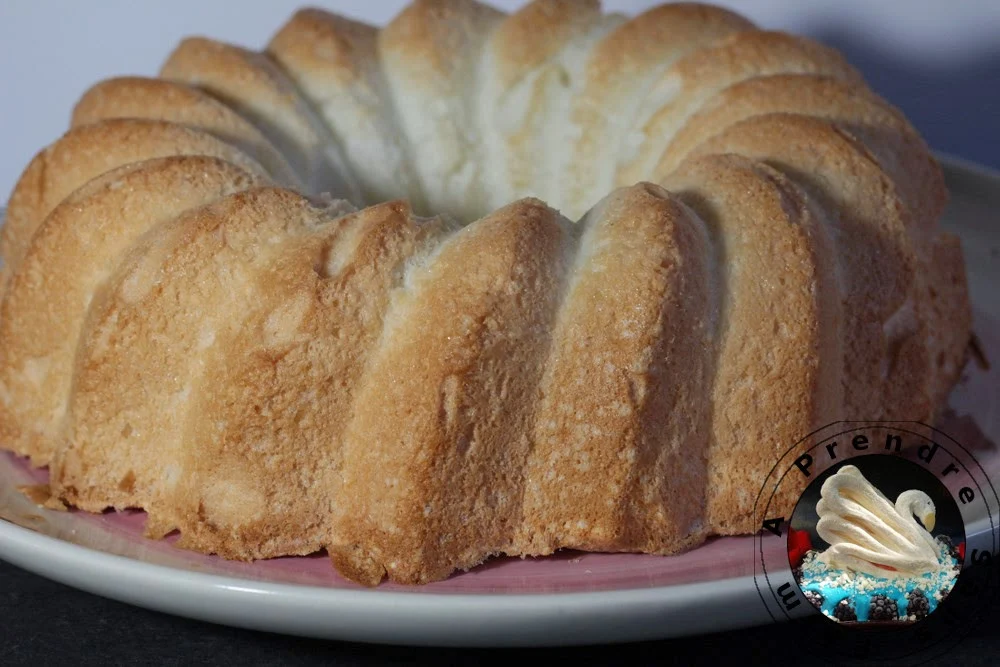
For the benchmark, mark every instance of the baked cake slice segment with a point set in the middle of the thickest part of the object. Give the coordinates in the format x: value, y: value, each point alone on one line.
x: 885, y: 362
x: 334, y: 61
x: 434, y: 453
x: 880, y: 127
x: 181, y: 287
x: 157, y: 99
x: 264, y: 431
x: 89, y: 151
x: 777, y: 369
x: 682, y: 90
x: 71, y: 255
x: 626, y: 393
x: 430, y: 55
x: 256, y: 88
x: 618, y: 73
x: 531, y: 67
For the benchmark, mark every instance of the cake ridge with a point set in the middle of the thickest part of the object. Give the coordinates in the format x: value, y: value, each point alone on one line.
x: 494, y: 325
x: 635, y: 67
x: 616, y: 406
x: 870, y: 228
x: 428, y: 52
x: 302, y: 462
x: 87, y: 151
x: 520, y: 59
x: 748, y: 54
x: 251, y: 84
x: 90, y: 222
x: 131, y: 97
x: 319, y: 51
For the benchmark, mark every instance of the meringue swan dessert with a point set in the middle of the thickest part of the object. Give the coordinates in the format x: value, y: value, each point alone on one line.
x: 881, y: 563
x: 470, y: 284
x: 867, y: 533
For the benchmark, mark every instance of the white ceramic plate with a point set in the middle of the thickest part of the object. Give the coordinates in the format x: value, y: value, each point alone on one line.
x: 566, y: 599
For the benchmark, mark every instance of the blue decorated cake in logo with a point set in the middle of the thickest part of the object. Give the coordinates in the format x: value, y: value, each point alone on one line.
x: 875, y: 559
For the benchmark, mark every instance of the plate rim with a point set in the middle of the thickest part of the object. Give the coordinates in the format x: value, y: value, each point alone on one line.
x: 411, y: 618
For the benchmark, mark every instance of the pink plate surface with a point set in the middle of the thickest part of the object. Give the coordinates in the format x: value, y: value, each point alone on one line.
x: 121, y: 532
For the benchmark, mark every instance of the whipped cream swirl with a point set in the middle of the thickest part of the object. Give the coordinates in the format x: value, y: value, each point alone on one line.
x: 867, y: 533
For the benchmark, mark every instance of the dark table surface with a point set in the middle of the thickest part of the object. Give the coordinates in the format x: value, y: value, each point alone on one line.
x: 45, y: 623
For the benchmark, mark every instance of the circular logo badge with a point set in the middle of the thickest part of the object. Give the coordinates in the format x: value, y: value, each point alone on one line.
x: 884, y: 533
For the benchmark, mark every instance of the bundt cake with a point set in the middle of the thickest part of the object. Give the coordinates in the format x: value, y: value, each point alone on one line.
x: 471, y: 284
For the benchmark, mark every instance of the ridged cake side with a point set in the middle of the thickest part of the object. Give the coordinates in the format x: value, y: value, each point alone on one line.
x: 779, y: 294
x: 156, y: 99
x: 87, y: 233
x: 609, y: 400
x: 255, y: 87
x: 88, y: 151
x: 283, y: 385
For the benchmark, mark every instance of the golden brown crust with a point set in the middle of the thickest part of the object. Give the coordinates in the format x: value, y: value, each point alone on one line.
x: 441, y: 424
x: 611, y: 405
x: 774, y: 282
x: 156, y: 99
x: 70, y: 255
x: 263, y: 483
x: 427, y: 34
x: 661, y: 33
x: 182, y: 286
x: 89, y: 151
x: 255, y: 87
x: 886, y: 366
x: 338, y: 45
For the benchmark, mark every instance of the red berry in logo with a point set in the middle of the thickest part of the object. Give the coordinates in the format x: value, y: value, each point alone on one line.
x: 799, y: 545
